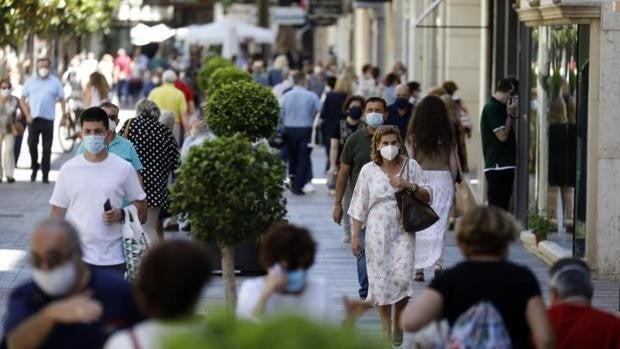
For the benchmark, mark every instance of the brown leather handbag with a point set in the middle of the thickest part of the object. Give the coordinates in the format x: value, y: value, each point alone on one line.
x: 415, y: 215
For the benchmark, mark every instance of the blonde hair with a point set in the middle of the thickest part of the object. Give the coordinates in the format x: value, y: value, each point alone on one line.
x: 281, y: 62
x: 381, y: 131
x: 344, y: 85
x: 100, y: 83
x: 486, y: 231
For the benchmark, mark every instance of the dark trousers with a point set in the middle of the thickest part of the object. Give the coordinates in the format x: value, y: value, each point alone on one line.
x: 45, y: 129
x: 297, y: 140
x: 122, y: 88
x: 18, y: 147
x: 362, y: 275
x: 499, y: 187
x: 118, y: 269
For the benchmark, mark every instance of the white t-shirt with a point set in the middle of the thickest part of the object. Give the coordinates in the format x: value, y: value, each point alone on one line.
x: 315, y: 302
x: 82, y: 188
x: 150, y: 334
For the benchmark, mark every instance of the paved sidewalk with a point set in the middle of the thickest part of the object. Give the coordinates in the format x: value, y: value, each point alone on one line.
x: 23, y: 204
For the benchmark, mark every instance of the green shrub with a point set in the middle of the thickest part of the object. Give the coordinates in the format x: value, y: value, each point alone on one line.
x: 209, y: 66
x: 243, y: 107
x: 231, y: 190
x: 275, y: 333
x: 541, y: 225
x: 224, y: 76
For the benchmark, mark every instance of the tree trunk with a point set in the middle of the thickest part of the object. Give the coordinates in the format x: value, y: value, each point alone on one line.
x: 228, y: 274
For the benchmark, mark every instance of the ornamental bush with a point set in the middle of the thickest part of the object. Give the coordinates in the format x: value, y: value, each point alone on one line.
x: 224, y: 76
x: 209, y: 66
x: 231, y: 190
x: 286, y: 332
x: 243, y: 107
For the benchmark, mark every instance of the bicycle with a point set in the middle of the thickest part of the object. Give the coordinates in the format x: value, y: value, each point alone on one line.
x: 68, y: 128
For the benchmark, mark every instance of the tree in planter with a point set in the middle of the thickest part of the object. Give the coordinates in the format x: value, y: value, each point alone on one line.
x: 224, y: 76
x: 541, y: 225
x: 243, y: 107
x: 209, y: 66
x: 275, y: 333
x: 232, y: 192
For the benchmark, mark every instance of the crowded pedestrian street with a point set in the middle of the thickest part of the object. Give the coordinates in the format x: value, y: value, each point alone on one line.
x: 333, y: 174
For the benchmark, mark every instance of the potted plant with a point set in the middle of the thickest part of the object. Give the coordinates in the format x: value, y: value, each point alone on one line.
x: 226, y: 75
x: 541, y: 225
x: 244, y: 107
x: 232, y: 192
x: 287, y: 332
x: 209, y: 66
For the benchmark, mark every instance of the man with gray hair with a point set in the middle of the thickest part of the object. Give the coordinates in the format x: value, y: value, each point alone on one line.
x: 575, y: 323
x: 298, y: 107
x: 66, y: 304
x: 169, y: 98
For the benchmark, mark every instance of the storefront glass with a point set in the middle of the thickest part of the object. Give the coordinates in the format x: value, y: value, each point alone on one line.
x: 558, y: 123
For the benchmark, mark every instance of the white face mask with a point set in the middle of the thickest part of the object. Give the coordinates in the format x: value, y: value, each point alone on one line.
x: 6, y: 92
x: 389, y: 152
x: 112, y: 125
x: 58, y: 281
x: 43, y: 72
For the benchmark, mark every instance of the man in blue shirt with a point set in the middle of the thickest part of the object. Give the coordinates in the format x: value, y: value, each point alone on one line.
x: 298, y: 109
x: 67, y: 304
x: 399, y: 113
x: 39, y: 96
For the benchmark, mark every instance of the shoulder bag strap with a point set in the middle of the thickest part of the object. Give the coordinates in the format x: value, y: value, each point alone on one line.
x: 134, y: 339
x: 405, y: 166
x: 126, y: 132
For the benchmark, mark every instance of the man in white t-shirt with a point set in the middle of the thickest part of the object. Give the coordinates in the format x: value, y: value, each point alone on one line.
x: 85, y: 185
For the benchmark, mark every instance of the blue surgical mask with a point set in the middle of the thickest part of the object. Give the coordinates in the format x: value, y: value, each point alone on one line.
x: 94, y: 144
x: 374, y: 120
x: 296, y: 280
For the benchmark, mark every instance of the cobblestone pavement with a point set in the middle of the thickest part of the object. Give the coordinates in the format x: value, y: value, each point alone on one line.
x: 23, y: 204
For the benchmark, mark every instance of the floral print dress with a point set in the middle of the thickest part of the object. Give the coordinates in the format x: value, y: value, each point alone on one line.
x: 389, y: 249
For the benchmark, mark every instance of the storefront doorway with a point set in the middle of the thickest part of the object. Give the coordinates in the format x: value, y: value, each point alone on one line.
x: 558, y: 130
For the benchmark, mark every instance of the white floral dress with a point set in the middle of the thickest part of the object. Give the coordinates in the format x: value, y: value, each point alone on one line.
x: 389, y: 250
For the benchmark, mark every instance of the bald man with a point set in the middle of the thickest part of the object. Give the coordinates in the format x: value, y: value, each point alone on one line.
x: 400, y: 112
x: 66, y: 304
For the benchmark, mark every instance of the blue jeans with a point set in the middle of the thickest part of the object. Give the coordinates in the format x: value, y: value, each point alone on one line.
x: 362, y: 276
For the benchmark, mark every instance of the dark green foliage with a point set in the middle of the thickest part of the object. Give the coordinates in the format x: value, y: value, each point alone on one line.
x: 276, y: 333
x: 541, y: 225
x: 224, y: 76
x: 231, y: 190
x: 243, y: 107
x: 209, y: 66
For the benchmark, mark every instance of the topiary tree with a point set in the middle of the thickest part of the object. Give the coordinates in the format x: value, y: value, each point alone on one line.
x: 243, y: 107
x: 209, y: 66
x: 286, y: 332
x: 232, y: 192
x: 224, y: 76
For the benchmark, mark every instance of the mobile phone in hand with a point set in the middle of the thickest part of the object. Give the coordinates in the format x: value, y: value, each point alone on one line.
x: 107, y: 206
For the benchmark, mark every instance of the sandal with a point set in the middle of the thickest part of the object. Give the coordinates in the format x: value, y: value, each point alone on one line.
x: 419, y: 276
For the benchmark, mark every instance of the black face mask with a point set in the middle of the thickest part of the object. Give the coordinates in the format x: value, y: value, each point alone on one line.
x: 401, y: 103
x: 355, y: 113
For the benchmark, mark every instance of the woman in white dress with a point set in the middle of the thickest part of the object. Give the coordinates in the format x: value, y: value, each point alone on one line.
x: 431, y: 141
x: 389, y: 250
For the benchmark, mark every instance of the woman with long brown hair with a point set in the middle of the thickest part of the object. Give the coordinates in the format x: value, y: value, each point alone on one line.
x: 96, y: 91
x: 430, y: 140
x: 389, y: 249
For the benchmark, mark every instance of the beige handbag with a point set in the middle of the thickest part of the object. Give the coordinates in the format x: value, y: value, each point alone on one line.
x: 464, y: 198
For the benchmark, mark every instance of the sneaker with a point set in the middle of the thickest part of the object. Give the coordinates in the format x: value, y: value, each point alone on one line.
x: 10, y: 180
x: 308, y: 188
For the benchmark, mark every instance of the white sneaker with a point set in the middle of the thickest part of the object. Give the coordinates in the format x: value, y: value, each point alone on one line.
x: 308, y: 188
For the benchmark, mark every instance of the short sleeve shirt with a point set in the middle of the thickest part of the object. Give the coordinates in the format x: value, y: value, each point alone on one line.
x: 114, y: 294
x: 42, y: 95
x: 356, y: 152
x: 82, y: 188
x: 506, y: 285
x: 497, y: 154
x: 167, y: 97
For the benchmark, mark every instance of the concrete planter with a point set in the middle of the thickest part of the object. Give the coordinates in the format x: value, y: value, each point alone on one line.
x: 547, y: 251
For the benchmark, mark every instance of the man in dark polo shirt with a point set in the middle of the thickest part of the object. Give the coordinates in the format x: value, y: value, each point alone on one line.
x: 400, y: 112
x: 499, y: 144
x: 66, y: 305
x: 356, y: 154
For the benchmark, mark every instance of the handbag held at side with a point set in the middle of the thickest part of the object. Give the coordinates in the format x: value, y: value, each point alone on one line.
x: 415, y: 214
x: 464, y: 198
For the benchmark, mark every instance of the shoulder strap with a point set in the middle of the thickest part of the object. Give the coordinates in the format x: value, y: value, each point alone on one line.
x: 134, y: 339
x: 405, y: 166
x: 126, y: 132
